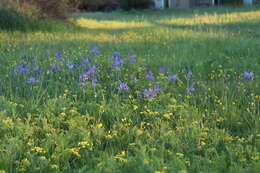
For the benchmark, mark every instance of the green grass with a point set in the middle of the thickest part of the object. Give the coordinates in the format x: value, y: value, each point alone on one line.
x: 61, y: 125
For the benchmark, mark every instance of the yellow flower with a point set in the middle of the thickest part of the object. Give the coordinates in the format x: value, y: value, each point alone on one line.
x: 74, y: 151
x: 43, y: 158
x: 25, y: 162
x: 167, y: 115
x: 54, y: 166
x: 84, y: 144
x: 8, y: 122
x: 139, y: 132
x: 135, y: 107
x: 38, y: 149
x: 179, y: 154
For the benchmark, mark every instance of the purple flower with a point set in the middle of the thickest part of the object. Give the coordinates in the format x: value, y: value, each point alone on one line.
x: 92, y: 70
x: 94, y: 82
x: 172, y: 78
x: 95, y: 51
x: 55, y: 68
x: 189, y: 74
x: 70, y: 65
x: 84, y: 77
x: 116, y: 55
x: 148, y: 93
x: 59, y: 56
x: 85, y: 62
x: 190, y: 90
x: 117, y: 63
x: 162, y: 70
x: 37, y: 69
x: 122, y: 86
x: 132, y: 58
x: 157, y: 89
x: 31, y: 80
x: 248, y: 75
x: 88, y: 74
x: 149, y: 75
x: 21, y: 69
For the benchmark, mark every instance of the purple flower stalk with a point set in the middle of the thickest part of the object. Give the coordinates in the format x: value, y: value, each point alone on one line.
x: 117, y: 63
x: 116, y: 55
x: 122, y: 86
x: 88, y: 74
x: 149, y: 75
x: 70, y: 65
x: 172, y: 78
x: 162, y: 70
x: 59, y: 56
x: 95, y: 51
x: 22, y: 69
x: 157, y: 89
x: 37, y: 69
x: 31, y: 80
x: 132, y: 58
x: 248, y: 75
x: 190, y: 90
x: 189, y: 74
x: 94, y: 82
x: 148, y: 93
x: 85, y: 63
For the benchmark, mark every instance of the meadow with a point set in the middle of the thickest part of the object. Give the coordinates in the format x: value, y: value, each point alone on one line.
x: 155, y: 91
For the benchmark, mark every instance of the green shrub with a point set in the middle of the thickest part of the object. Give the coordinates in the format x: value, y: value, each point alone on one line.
x: 17, y: 17
x: 135, y: 4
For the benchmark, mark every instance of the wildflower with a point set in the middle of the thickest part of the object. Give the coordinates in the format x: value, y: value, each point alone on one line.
x: 148, y: 93
x: 189, y: 73
x: 132, y: 58
x: 92, y: 70
x: 171, y: 78
x: 54, y: 166
x: 84, y: 77
x: 74, y: 151
x: 85, y: 62
x: 190, y: 90
x: 70, y: 65
x: 116, y: 55
x: 59, y: 56
x: 31, y: 80
x: 249, y: 76
x: 87, y: 75
x: 149, y: 75
x: 117, y: 62
x: 157, y: 89
x: 94, y: 82
x: 95, y: 51
x: 162, y: 70
x: 122, y: 86
x: 37, y: 69
x: 21, y: 69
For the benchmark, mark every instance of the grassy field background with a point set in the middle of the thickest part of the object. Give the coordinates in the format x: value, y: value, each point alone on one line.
x: 58, y: 124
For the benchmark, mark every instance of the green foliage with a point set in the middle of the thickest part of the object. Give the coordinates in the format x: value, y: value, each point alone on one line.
x: 16, y: 17
x: 135, y: 4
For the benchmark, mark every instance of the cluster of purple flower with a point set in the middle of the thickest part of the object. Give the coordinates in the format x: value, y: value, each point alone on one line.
x: 118, y: 61
x: 90, y: 74
x: 151, y: 92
